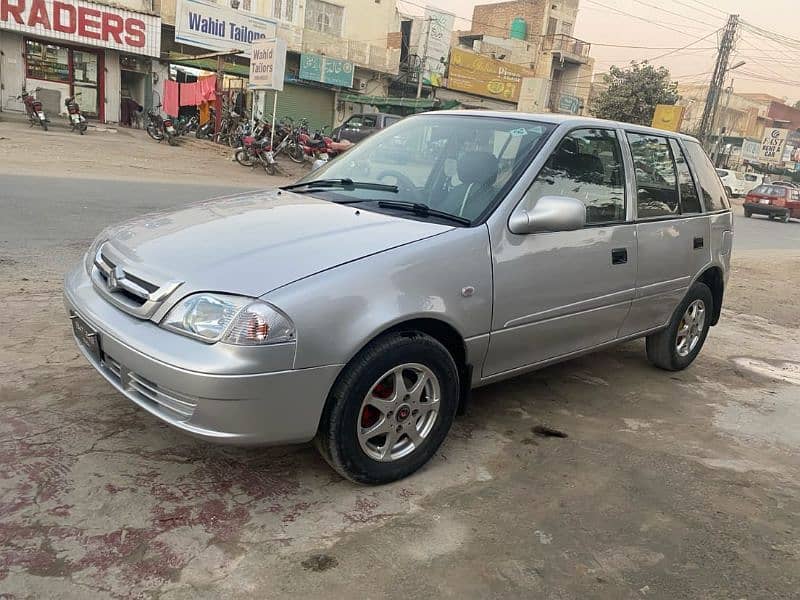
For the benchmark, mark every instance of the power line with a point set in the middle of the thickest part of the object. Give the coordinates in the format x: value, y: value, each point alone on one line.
x: 669, y: 12
x: 627, y: 14
x: 686, y: 46
x: 699, y: 9
x: 710, y: 6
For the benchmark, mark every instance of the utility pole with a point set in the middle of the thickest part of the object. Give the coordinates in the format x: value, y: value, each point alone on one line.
x: 718, y: 79
x: 423, y: 61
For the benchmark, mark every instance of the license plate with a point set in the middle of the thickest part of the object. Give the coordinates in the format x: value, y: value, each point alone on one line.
x: 41, y: 116
x: 75, y: 118
x: 270, y: 158
x: 86, y: 336
x: 171, y: 129
x: 763, y: 201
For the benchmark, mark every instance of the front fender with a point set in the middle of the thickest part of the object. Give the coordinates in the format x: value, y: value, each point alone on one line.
x: 337, y: 312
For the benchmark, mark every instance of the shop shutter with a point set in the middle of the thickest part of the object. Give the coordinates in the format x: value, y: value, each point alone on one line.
x: 299, y: 101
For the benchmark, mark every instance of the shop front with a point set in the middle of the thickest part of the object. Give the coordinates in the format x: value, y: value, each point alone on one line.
x: 73, y: 48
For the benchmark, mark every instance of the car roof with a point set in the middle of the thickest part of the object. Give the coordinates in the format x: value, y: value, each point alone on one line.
x: 562, y: 119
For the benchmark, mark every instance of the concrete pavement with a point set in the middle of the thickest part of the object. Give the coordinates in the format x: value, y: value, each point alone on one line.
x: 669, y: 485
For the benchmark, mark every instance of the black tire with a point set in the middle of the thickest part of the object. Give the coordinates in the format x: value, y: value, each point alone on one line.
x: 243, y: 158
x: 337, y: 436
x: 172, y: 140
x: 154, y: 133
x: 199, y: 134
x: 44, y: 125
x: 270, y: 168
x: 295, y: 153
x: 785, y: 218
x: 748, y: 213
x: 661, y: 347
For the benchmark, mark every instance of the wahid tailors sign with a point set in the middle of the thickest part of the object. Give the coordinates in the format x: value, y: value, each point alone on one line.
x: 84, y: 23
x: 214, y: 26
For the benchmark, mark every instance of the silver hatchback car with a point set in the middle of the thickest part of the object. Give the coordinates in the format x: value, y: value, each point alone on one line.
x: 359, y: 306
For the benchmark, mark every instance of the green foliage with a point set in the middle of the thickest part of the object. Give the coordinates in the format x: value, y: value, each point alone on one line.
x: 632, y: 93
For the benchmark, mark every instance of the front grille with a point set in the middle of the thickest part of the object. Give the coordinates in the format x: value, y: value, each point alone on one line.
x: 131, y: 293
x: 170, y: 403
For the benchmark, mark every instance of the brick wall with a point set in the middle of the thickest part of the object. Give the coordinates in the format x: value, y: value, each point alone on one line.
x: 496, y: 19
x: 783, y: 112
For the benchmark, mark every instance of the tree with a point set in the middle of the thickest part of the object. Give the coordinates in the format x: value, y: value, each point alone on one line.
x: 631, y: 94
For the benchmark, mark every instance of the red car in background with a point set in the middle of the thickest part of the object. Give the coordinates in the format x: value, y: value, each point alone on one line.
x: 773, y: 200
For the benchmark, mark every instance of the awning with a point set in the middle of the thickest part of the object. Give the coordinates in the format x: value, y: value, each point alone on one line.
x: 379, y: 101
x: 210, y: 64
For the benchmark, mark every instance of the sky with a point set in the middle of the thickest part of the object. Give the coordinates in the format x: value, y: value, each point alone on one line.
x: 685, y: 22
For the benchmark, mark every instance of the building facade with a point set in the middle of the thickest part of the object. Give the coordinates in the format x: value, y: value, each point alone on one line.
x: 93, y: 51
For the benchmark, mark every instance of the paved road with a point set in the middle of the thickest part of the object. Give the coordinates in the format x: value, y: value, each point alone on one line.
x: 669, y: 485
x: 48, y: 211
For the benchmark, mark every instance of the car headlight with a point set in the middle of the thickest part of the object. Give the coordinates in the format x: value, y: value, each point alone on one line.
x: 231, y: 319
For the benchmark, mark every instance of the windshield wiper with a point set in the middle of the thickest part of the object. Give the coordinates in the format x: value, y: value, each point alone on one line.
x: 423, y: 210
x: 344, y: 183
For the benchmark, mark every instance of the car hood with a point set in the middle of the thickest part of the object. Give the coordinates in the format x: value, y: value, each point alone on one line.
x: 254, y: 242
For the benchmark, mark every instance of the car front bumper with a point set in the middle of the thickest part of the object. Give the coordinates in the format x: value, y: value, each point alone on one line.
x: 233, y: 404
x: 765, y: 209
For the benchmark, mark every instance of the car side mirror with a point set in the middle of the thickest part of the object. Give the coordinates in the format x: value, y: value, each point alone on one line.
x: 550, y: 213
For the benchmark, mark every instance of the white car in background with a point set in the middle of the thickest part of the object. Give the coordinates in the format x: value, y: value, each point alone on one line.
x: 739, y: 184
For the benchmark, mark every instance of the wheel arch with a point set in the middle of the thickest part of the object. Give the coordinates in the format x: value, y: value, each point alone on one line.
x: 714, y: 279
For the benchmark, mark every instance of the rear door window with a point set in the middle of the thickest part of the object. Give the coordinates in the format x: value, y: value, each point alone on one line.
x: 690, y: 201
x: 656, y: 176
x: 710, y: 186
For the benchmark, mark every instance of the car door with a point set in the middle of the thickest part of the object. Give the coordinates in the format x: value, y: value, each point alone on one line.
x: 671, y: 231
x: 561, y: 292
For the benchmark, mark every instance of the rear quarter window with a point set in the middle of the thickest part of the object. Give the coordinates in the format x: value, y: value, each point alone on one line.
x: 713, y: 193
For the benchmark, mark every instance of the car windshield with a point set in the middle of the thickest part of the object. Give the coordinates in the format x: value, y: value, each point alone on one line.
x: 770, y: 190
x: 457, y: 164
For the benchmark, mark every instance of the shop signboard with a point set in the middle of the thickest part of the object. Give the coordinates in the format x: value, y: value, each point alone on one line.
x: 569, y: 104
x: 267, y: 64
x: 750, y: 150
x: 84, y: 23
x: 314, y: 67
x: 206, y: 24
x: 484, y: 76
x: 436, y: 45
x: 668, y: 117
x: 772, y: 143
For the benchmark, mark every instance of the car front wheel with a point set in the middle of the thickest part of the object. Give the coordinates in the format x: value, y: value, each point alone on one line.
x: 675, y: 347
x: 390, y: 409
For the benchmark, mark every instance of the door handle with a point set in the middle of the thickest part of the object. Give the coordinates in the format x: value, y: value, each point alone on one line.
x: 619, y: 256
x: 698, y: 243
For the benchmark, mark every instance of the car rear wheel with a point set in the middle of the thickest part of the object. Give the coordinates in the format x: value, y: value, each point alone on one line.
x: 390, y: 409
x: 728, y: 192
x: 676, y: 347
x: 748, y: 213
x: 785, y: 218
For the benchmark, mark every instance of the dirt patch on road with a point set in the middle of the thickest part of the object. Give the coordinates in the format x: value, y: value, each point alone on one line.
x: 766, y: 284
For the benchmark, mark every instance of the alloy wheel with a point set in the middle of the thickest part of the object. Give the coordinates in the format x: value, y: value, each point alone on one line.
x: 398, y: 412
x: 690, y: 328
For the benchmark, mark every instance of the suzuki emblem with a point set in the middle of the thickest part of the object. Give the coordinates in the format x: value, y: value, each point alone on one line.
x: 114, y: 277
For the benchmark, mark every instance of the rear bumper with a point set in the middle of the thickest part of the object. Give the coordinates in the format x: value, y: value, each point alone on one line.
x: 276, y: 407
x: 765, y: 209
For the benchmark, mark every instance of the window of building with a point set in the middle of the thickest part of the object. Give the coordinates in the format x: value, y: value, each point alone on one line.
x: 552, y: 26
x: 586, y: 165
x: 656, y: 178
x: 324, y: 17
x: 247, y: 5
x: 47, y: 61
x: 714, y: 196
x: 690, y: 201
x: 283, y: 10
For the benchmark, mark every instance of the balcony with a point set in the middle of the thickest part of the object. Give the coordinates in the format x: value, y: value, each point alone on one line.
x: 362, y: 54
x: 567, y: 48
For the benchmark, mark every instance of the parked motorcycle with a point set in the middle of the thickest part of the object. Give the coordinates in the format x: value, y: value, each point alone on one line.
x: 159, y: 128
x: 33, y: 108
x: 206, y: 130
x: 255, y: 151
x: 76, y: 118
